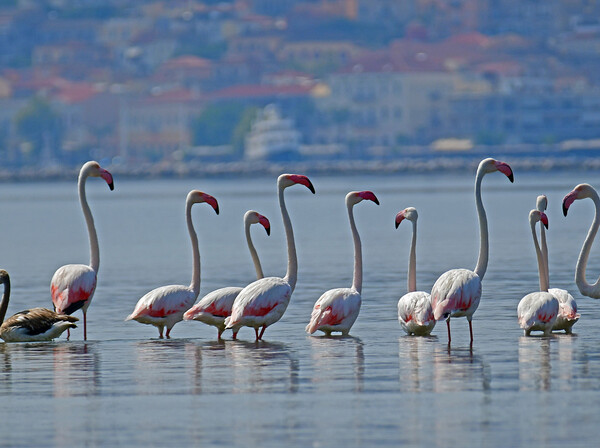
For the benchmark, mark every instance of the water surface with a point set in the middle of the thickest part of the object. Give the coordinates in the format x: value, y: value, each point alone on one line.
x: 126, y: 387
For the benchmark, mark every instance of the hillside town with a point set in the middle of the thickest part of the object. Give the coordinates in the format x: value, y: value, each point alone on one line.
x: 160, y: 82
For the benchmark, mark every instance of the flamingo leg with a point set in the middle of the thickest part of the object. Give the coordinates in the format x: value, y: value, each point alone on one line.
x: 220, y: 333
x: 84, y: 326
x: 471, y: 330
x: 160, y: 332
x: 256, y: 331
x: 448, y: 324
x: 68, y: 333
x: 262, y: 331
x: 235, y: 335
x: 168, y: 333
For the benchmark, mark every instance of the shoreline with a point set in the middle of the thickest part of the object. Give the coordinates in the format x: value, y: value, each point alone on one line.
x: 412, y: 165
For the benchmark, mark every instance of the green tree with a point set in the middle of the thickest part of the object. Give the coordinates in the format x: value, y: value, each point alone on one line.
x: 222, y: 124
x: 39, y: 127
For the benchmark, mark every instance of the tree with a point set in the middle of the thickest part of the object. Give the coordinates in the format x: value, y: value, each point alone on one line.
x: 223, y: 124
x: 40, y: 129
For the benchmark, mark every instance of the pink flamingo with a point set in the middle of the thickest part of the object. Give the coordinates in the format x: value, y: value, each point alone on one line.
x: 73, y: 285
x: 263, y: 302
x: 538, y: 310
x: 164, y: 306
x: 457, y: 292
x: 215, y: 306
x: 35, y: 324
x: 583, y: 191
x: 567, y: 312
x: 414, y: 308
x: 337, y: 309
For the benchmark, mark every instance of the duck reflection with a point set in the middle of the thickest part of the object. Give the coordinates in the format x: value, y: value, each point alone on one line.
x: 459, y: 369
x: 245, y: 367
x: 534, y: 363
x: 76, y: 369
x: 415, y: 356
x: 330, y: 356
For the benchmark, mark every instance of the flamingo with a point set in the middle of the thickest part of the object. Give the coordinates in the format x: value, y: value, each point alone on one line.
x: 263, y: 302
x: 215, y: 306
x: 35, y: 324
x: 73, y: 285
x: 337, y: 309
x: 567, y: 312
x: 583, y: 191
x: 457, y: 292
x: 414, y: 308
x: 164, y: 306
x: 538, y: 310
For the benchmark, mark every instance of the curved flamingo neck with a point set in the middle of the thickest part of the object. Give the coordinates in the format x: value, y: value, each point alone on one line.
x: 195, y: 285
x: 540, y: 259
x: 253, y: 253
x: 89, y: 220
x: 412, y: 261
x: 584, y: 287
x: 292, y: 268
x: 482, y: 261
x: 5, y: 299
x: 358, y: 270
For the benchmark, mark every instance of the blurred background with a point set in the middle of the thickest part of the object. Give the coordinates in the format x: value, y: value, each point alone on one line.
x: 186, y: 87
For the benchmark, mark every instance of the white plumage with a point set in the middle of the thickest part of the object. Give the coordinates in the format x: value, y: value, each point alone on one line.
x: 337, y: 309
x: 216, y: 306
x: 263, y: 302
x: 165, y: 306
x: 414, y: 308
x: 537, y: 311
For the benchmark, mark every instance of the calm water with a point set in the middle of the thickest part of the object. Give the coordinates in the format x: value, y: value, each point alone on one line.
x: 126, y: 387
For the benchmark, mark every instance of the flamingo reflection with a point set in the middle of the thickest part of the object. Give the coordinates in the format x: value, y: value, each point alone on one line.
x: 332, y: 357
x: 415, y: 356
x: 459, y: 369
x: 534, y: 363
x: 76, y: 370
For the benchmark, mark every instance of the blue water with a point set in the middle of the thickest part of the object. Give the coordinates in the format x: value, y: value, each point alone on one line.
x: 126, y: 387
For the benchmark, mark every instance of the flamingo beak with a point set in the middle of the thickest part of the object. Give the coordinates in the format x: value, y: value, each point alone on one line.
x: 568, y: 200
x: 265, y: 223
x: 368, y: 195
x: 300, y: 179
x: 400, y: 217
x: 544, y: 220
x: 211, y: 201
x: 505, y: 169
x: 108, y: 178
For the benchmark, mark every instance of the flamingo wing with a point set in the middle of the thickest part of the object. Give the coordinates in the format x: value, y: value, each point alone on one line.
x: 261, y: 298
x: 333, y: 308
x: 455, y: 291
x: 567, y: 305
x: 537, y: 308
x: 72, y: 287
x: 415, y: 307
x: 216, y: 303
x: 164, y: 301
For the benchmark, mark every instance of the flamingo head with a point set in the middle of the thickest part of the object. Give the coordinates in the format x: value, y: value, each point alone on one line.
x: 287, y: 180
x: 581, y: 191
x: 409, y: 213
x: 354, y: 197
x: 536, y: 215
x: 253, y: 217
x: 541, y: 203
x: 490, y: 165
x: 196, y: 197
x: 94, y: 169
